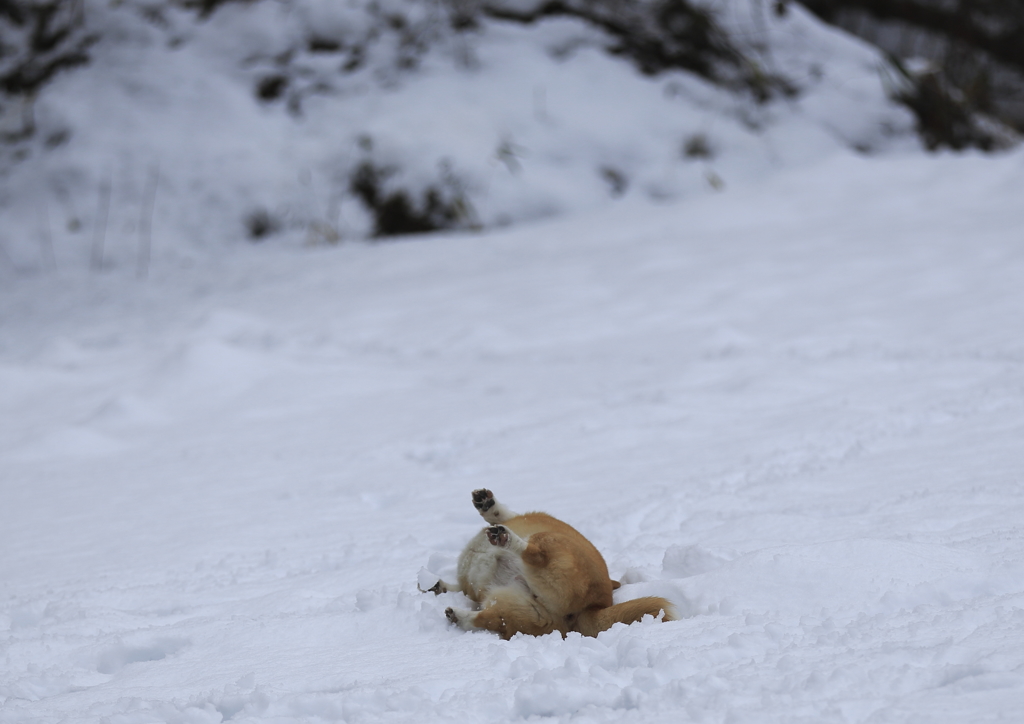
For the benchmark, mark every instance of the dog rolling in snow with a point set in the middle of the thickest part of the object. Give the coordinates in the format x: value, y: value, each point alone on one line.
x: 534, y: 574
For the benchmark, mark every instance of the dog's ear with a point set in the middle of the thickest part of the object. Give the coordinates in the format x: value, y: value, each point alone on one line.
x: 615, y: 584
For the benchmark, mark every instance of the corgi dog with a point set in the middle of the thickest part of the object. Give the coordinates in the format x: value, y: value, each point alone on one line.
x: 534, y: 574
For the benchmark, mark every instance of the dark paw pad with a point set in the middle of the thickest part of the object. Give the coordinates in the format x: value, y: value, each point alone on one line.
x: 498, y: 535
x: 436, y: 589
x: 450, y: 615
x: 483, y: 499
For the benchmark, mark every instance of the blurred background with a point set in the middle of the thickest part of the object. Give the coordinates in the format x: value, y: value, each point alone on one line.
x: 137, y: 127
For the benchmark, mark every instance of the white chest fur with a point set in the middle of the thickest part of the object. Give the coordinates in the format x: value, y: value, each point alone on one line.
x: 484, y: 567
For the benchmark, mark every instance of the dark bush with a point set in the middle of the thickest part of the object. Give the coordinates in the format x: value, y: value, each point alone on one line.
x: 946, y: 117
x: 205, y: 8
x: 973, y: 46
x: 698, y: 146
x: 396, y: 212
x: 271, y: 87
x: 660, y: 35
x: 260, y: 224
x: 38, y: 39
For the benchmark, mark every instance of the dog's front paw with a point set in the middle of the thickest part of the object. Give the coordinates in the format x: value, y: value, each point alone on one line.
x: 497, y: 535
x: 437, y: 589
x: 483, y: 500
x: 451, y: 615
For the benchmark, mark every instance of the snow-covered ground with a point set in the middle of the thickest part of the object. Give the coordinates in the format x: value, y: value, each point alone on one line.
x: 796, y: 410
x: 793, y: 405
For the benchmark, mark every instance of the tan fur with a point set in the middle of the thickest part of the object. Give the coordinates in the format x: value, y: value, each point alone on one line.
x: 534, y: 574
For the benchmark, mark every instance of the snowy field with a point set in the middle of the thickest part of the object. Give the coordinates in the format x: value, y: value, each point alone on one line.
x: 796, y: 410
x: 779, y: 382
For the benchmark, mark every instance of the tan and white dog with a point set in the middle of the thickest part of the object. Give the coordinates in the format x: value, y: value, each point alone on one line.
x: 534, y: 574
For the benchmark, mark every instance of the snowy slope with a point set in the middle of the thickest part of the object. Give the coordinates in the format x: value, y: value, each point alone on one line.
x: 795, y: 409
x: 506, y: 123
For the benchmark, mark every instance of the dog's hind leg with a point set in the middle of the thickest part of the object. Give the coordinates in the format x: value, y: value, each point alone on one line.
x: 536, y: 552
x: 502, y: 537
x: 491, y: 510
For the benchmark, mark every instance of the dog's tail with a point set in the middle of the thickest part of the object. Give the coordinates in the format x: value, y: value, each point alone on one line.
x: 595, y: 620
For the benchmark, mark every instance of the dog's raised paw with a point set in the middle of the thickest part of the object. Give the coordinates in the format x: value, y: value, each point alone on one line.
x: 498, y: 535
x: 450, y: 615
x: 437, y: 589
x: 483, y: 499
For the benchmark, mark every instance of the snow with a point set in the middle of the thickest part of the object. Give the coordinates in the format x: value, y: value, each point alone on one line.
x: 795, y: 410
x: 519, y: 122
x: 793, y: 407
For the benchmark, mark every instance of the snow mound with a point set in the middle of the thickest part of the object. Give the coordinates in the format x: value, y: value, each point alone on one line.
x: 318, y: 122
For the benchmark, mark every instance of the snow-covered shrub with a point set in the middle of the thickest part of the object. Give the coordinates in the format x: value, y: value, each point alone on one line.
x: 966, y: 60
x: 38, y: 39
x: 660, y: 35
x: 205, y: 8
x: 329, y: 41
x: 261, y: 223
x: 482, y: 113
x: 441, y: 205
x: 947, y: 116
x: 336, y: 50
